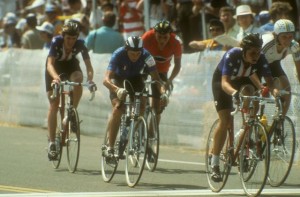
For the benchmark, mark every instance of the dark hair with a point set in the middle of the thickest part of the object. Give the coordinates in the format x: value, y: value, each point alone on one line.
x: 226, y: 9
x: 109, y: 19
x: 31, y: 20
x: 216, y: 23
x: 251, y: 40
x: 279, y: 8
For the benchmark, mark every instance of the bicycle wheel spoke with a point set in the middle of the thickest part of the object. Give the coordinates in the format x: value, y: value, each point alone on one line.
x: 254, y: 160
x: 225, y: 163
x: 153, y: 141
x: 58, y: 140
x: 282, y: 152
x: 73, y: 141
x: 136, y: 151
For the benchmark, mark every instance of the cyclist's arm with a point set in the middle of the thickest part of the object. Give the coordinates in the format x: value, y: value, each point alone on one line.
x: 255, y: 80
x: 226, y: 85
x: 107, y: 81
x: 176, y: 69
x: 89, y: 69
x: 50, y: 68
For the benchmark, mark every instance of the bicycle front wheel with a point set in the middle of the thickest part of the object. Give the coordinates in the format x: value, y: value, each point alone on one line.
x: 225, y: 160
x: 108, y: 168
x: 73, y: 140
x: 282, y: 149
x: 153, y: 141
x: 254, y: 159
x: 136, y: 151
x: 58, y: 139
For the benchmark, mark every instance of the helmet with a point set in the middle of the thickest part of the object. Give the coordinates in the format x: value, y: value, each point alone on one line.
x: 134, y: 43
x: 251, y: 40
x: 284, y: 25
x: 71, y: 28
x: 163, y: 27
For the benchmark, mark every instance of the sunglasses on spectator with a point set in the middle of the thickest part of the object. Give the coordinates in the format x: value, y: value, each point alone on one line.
x: 215, y: 29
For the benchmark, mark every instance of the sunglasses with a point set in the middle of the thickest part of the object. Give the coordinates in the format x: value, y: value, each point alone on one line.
x: 211, y: 29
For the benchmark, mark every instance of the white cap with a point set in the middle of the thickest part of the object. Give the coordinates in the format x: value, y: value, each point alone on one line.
x: 36, y: 4
x: 10, y: 18
x: 47, y: 27
x: 243, y: 10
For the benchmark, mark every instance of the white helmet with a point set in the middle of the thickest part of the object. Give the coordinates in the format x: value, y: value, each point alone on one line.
x: 283, y: 26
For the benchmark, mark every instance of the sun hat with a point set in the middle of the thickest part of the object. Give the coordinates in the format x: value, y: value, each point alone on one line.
x: 47, y: 27
x: 243, y: 10
x: 10, y: 18
x: 50, y: 7
x: 35, y: 4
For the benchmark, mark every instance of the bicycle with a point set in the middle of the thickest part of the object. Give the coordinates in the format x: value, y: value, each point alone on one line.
x: 250, y: 154
x: 282, y: 138
x: 133, y: 128
x: 68, y: 124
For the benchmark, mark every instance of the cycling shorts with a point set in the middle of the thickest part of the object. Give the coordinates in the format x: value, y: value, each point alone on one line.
x: 276, y: 69
x: 62, y: 67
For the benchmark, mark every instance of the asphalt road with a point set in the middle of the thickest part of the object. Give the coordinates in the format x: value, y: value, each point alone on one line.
x: 26, y: 171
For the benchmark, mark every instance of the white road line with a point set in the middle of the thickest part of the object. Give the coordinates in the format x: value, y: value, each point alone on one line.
x: 183, y: 162
x: 157, y: 193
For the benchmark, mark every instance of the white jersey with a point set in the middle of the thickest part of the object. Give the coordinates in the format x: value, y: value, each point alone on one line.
x: 270, y: 50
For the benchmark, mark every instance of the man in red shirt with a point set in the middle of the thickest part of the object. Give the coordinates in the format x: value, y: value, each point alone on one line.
x: 163, y: 46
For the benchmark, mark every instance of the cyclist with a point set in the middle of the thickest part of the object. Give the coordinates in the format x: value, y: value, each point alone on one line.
x: 62, y: 59
x: 276, y: 46
x: 127, y: 62
x: 236, y: 67
x: 163, y: 45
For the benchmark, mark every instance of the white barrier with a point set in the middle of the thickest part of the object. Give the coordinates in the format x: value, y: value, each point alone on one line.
x: 185, y: 121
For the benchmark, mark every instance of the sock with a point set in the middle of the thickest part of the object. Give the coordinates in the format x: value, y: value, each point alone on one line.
x: 215, y: 160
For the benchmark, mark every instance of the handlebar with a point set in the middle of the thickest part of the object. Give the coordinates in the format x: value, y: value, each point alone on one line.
x: 91, y: 86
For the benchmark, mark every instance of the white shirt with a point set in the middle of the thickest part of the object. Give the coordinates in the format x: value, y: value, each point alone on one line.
x: 251, y: 29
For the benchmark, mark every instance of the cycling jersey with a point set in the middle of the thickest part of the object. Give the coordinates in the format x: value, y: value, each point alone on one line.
x: 125, y: 68
x: 270, y: 50
x: 232, y: 65
x: 57, y: 49
x: 162, y: 57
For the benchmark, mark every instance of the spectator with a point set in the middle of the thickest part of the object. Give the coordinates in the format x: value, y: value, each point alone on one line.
x: 131, y: 19
x: 245, y: 19
x: 264, y: 17
x: 11, y: 37
x: 37, y: 7
x: 230, y: 25
x: 52, y: 17
x: 278, y: 10
x: 46, y: 33
x: 216, y: 28
x: 105, y: 39
x: 31, y: 39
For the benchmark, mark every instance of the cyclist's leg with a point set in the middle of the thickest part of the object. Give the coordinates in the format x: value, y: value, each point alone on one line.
x: 285, y: 84
x: 76, y: 77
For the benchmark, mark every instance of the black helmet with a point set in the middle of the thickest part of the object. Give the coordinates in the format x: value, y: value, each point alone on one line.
x: 71, y: 28
x: 251, y: 40
x: 163, y: 27
x: 134, y: 43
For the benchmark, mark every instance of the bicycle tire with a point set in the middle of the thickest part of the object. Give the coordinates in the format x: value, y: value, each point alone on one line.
x: 58, y: 139
x: 153, y: 141
x: 254, y: 160
x: 136, y: 151
x: 108, y: 170
x: 282, y: 155
x: 73, y: 140
x: 225, y: 160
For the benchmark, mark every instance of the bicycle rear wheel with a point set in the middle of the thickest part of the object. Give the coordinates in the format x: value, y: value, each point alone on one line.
x: 58, y: 139
x: 153, y: 141
x: 254, y: 160
x: 225, y: 160
x: 136, y: 151
x: 282, y: 149
x: 73, y: 140
x: 108, y: 168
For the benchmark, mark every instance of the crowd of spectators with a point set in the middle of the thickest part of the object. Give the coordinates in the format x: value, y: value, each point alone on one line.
x: 107, y: 24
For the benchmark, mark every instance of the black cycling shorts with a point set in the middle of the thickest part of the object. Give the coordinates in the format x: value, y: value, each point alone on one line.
x: 154, y: 87
x: 62, y: 67
x: 276, y: 69
x: 136, y: 82
x: 221, y: 99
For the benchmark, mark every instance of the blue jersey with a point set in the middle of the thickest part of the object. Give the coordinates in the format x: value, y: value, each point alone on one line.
x: 232, y: 65
x: 57, y: 49
x: 123, y: 67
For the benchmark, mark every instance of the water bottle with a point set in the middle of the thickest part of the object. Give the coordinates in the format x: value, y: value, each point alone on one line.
x: 264, y: 122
